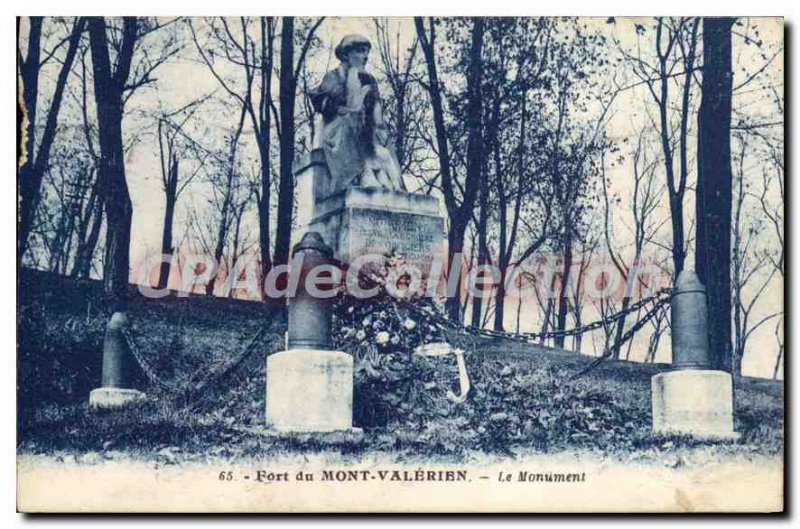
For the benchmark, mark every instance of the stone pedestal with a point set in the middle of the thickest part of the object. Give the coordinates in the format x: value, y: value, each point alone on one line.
x: 113, y: 398
x: 370, y: 221
x: 694, y: 402
x: 362, y: 220
x: 310, y: 391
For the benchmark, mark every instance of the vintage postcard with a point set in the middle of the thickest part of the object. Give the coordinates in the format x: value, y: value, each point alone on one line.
x: 413, y: 265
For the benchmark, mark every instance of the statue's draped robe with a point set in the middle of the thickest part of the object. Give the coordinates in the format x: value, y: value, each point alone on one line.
x: 353, y: 154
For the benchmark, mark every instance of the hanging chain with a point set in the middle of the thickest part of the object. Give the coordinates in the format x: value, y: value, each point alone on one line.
x: 662, y: 296
x: 625, y: 337
x: 213, y: 376
x: 146, y: 367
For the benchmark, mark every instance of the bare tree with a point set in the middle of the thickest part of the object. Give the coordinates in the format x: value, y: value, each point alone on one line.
x: 675, y: 43
x: 289, y: 73
x: 459, y: 213
x: 751, y: 269
x: 226, y: 185
x: 644, y: 204
x: 35, y: 162
x: 253, y: 54
x: 398, y: 75
x: 173, y: 144
x: 576, y: 303
x: 112, y: 88
x: 92, y: 221
x: 714, y: 186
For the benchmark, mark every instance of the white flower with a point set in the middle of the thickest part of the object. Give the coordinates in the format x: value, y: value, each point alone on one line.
x: 382, y: 337
x: 366, y: 321
x: 360, y: 335
x: 409, y: 324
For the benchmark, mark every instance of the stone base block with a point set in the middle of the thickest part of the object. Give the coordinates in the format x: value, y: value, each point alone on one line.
x: 309, y: 391
x: 694, y: 402
x: 114, y: 398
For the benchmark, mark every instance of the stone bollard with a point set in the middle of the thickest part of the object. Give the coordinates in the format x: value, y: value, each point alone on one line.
x: 309, y: 386
x: 692, y: 399
x: 310, y: 317
x: 115, y: 390
x: 689, y: 314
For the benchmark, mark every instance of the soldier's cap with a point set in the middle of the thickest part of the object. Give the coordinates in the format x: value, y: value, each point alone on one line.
x: 348, y: 42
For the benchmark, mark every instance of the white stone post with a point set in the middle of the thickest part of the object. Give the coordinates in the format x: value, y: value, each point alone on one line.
x: 309, y: 387
x: 692, y: 399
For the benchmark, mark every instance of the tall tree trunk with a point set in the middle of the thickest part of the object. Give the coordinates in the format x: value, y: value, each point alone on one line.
x: 548, y: 313
x: 778, y: 359
x: 264, y: 197
x: 237, y: 230
x: 108, y: 89
x: 428, y: 43
x: 288, y: 85
x: 508, y: 240
x: 227, y: 203
x: 563, y: 293
x: 483, y: 246
x: 502, y: 253
x: 714, y: 171
x: 171, y: 194
x: 401, y: 132
x: 459, y: 214
x: 28, y: 187
x: 615, y: 354
x: 475, y: 161
x: 700, y: 254
x: 263, y: 219
x: 483, y: 249
x: 83, y: 260
x: 32, y: 171
x: 676, y: 185
x: 84, y: 219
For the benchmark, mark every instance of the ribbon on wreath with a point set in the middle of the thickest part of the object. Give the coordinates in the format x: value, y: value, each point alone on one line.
x: 441, y: 349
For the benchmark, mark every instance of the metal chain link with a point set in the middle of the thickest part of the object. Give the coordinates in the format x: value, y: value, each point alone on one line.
x: 658, y: 297
x: 625, y: 337
x: 147, y: 369
x: 215, y: 376
x: 662, y: 296
x: 212, y: 376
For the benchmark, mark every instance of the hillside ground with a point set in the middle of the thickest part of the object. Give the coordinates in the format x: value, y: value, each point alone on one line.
x: 523, y: 399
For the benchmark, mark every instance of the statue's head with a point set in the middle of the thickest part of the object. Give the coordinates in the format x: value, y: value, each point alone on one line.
x: 353, y: 50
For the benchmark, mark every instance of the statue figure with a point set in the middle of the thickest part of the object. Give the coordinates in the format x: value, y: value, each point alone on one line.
x: 354, y: 135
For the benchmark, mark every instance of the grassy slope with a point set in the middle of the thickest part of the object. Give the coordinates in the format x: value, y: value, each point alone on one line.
x: 61, y: 328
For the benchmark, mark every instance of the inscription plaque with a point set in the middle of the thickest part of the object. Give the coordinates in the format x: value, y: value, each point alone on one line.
x: 361, y: 221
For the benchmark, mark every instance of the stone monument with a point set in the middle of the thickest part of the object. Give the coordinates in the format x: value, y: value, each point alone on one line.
x: 351, y: 190
x: 309, y: 385
x: 692, y: 399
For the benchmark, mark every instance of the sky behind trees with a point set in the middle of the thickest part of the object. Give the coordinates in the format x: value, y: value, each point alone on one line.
x: 613, y: 98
